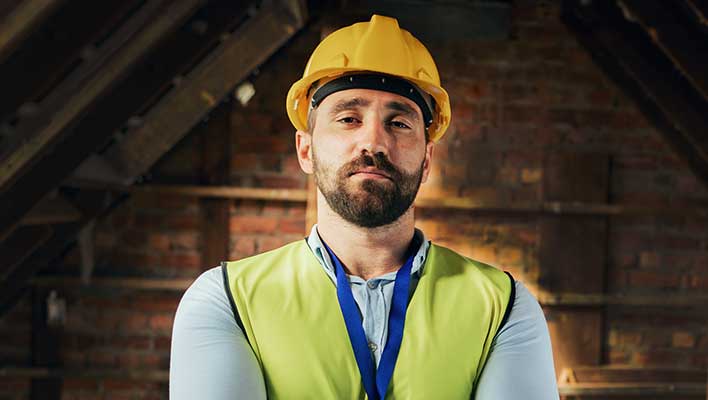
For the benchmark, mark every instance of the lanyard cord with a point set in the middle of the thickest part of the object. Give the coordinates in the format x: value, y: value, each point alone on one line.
x: 375, y: 381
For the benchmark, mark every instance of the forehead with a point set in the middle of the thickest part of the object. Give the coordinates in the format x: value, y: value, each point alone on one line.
x: 372, y: 98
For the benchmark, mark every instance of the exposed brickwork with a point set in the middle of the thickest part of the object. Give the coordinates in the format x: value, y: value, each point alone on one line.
x: 514, y: 102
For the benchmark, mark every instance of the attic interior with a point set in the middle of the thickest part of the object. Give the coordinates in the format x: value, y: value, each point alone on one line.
x: 144, y: 141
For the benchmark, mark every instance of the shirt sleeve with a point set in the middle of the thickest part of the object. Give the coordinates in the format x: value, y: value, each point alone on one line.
x: 210, y: 356
x: 520, y: 363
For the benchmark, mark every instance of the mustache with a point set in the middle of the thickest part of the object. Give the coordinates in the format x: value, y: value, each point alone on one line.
x: 378, y: 160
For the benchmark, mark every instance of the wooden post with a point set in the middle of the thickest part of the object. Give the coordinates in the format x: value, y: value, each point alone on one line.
x: 215, y: 170
x: 573, y: 256
x: 45, y: 348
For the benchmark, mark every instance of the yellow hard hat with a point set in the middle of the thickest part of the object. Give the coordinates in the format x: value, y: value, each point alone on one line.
x: 376, y: 47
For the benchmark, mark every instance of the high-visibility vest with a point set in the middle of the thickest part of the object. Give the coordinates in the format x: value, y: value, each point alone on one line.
x: 287, y: 306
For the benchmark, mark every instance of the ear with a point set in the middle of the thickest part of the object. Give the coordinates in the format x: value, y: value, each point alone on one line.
x: 427, y: 163
x: 303, y: 146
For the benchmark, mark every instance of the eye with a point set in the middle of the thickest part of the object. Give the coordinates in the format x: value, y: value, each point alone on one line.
x: 348, y: 120
x: 399, y: 125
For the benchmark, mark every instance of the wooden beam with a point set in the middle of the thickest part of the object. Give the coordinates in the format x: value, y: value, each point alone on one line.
x: 604, y: 390
x: 20, y: 245
x: 458, y: 203
x: 122, y: 60
x: 109, y: 284
x: 46, y: 59
x: 687, y: 52
x: 215, y: 169
x: 51, y: 210
x: 573, y: 254
x: 546, y: 298
x: 16, y: 281
x: 236, y: 57
x: 700, y: 9
x: 45, y: 348
x: 635, y: 65
x: 23, y: 18
x: 146, y: 375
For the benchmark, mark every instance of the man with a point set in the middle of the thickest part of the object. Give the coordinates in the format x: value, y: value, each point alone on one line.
x: 365, y: 306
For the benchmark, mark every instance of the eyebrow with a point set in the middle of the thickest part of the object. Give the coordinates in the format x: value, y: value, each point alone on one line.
x: 343, y: 105
x: 404, y: 109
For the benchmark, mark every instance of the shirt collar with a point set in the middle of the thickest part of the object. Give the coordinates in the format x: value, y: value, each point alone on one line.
x: 318, y: 248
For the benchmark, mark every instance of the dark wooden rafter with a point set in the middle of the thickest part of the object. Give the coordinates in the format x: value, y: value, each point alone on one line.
x: 663, y: 24
x: 16, y: 280
x: 626, y: 54
x: 198, y: 92
x: 20, y: 20
x: 232, y: 57
x: 96, y: 112
x: 73, y: 73
x: 55, y: 49
x: 21, y: 245
x: 700, y: 10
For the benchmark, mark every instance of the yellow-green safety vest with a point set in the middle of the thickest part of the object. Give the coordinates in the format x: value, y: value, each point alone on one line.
x: 287, y: 306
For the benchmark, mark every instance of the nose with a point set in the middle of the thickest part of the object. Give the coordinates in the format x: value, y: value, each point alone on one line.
x: 373, y: 137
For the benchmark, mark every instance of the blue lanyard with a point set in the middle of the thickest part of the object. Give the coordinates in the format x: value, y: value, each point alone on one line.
x: 375, y: 381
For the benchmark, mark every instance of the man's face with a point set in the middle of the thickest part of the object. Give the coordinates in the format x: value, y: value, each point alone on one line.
x: 368, y: 154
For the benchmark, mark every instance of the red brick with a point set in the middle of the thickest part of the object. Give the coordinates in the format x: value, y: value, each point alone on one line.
x: 267, y: 243
x: 650, y: 279
x: 183, y: 260
x: 253, y: 224
x: 162, y: 322
x: 292, y: 225
x: 158, y: 241
x: 280, y: 181
x: 182, y: 221
x: 184, y: 240
x: 683, y: 339
x: 162, y: 343
x: 242, y: 247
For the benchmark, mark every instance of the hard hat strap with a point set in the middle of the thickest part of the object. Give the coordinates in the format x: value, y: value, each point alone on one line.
x: 385, y: 83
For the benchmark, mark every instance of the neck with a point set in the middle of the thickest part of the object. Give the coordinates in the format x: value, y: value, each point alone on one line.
x: 365, y: 252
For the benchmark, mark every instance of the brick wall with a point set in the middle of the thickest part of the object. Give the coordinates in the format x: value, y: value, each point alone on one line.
x: 514, y: 103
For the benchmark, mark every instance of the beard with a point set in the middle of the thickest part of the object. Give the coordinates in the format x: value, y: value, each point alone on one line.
x: 372, y: 202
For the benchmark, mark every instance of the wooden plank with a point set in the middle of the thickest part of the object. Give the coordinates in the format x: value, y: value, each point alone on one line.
x: 682, y: 300
x: 700, y: 9
x: 16, y: 282
x: 51, y: 210
x: 45, y: 349
x: 617, y: 374
x: 107, y: 285
x: 664, y: 97
x: 215, y: 170
x: 573, y: 254
x: 134, y: 374
x: 238, y: 55
x: 62, y: 43
x: 683, y: 46
x: 456, y: 203
x: 120, y: 63
x: 20, y: 245
x: 20, y: 21
x: 92, y: 128
x: 619, y: 390
x: 576, y: 335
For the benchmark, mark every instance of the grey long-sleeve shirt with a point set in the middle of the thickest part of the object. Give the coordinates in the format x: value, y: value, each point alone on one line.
x: 212, y: 360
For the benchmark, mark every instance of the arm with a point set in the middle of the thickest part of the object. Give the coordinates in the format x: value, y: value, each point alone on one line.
x: 520, y: 364
x: 210, y: 357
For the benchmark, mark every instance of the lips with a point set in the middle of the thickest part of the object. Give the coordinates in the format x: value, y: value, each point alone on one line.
x: 372, y: 172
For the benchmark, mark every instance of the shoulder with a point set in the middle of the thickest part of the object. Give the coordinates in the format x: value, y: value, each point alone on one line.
x: 206, y: 299
x: 526, y: 320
